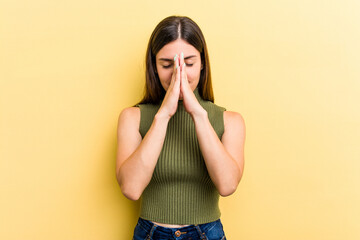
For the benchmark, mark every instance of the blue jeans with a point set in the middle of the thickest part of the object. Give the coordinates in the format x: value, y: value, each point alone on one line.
x: 147, y: 230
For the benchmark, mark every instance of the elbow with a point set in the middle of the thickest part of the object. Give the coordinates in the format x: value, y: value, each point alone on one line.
x: 228, y: 190
x: 130, y: 193
x: 131, y: 196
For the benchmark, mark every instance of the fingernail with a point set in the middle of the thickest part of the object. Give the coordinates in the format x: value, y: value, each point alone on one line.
x: 182, y: 55
x: 184, y: 64
x: 175, y: 57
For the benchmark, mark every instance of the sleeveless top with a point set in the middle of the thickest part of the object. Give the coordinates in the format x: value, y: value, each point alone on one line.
x: 181, y: 191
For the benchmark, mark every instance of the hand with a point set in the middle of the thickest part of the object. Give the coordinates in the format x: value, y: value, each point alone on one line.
x: 170, y: 102
x: 191, y: 104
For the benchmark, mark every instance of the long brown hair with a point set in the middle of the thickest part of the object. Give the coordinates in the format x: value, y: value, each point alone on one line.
x: 168, y: 30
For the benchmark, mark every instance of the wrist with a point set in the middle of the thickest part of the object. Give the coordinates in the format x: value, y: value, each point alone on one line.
x: 200, y: 115
x: 162, y: 117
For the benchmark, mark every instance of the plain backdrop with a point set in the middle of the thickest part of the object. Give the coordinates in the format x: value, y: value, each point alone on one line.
x: 289, y: 67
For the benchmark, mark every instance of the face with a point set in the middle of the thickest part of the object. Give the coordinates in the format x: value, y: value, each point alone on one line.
x: 165, y: 61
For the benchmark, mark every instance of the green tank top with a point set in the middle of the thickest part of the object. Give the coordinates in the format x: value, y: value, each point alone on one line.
x: 181, y: 191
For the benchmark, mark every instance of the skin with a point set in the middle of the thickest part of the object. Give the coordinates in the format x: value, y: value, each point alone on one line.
x: 137, y: 157
x: 165, y: 60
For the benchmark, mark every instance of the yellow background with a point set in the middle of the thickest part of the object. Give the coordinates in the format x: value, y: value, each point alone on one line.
x: 291, y: 68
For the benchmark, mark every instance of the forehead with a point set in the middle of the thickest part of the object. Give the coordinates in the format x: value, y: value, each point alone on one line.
x: 176, y: 47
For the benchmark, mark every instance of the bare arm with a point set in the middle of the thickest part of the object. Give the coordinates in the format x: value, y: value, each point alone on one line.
x: 137, y: 157
x: 224, y: 159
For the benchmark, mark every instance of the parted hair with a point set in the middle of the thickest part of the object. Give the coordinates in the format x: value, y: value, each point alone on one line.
x: 168, y: 30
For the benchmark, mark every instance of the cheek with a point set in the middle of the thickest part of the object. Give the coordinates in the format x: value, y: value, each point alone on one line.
x: 193, y: 74
x: 165, y: 76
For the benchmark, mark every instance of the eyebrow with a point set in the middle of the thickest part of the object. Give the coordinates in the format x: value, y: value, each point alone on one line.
x: 171, y: 60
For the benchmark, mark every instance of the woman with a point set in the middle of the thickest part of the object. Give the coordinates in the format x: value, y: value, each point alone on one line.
x: 177, y: 150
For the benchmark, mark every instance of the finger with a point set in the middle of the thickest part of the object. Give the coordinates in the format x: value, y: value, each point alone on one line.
x: 184, y: 76
x: 173, y: 75
x: 181, y: 59
x: 176, y: 64
x: 182, y: 66
x: 183, y: 73
x: 184, y: 82
x: 178, y: 76
x: 175, y: 61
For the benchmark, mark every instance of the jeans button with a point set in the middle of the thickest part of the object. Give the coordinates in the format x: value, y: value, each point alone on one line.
x: 177, y: 233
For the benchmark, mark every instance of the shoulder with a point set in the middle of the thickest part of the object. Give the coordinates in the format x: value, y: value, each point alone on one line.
x: 233, y: 121
x: 130, y: 112
x: 129, y: 115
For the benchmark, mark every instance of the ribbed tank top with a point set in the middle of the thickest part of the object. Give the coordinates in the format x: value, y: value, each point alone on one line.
x: 181, y: 191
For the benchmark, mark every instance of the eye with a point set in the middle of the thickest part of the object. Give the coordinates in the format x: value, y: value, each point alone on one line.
x: 167, y: 66
x: 189, y: 65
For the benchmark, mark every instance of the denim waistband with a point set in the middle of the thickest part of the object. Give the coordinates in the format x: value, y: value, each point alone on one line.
x: 151, y: 227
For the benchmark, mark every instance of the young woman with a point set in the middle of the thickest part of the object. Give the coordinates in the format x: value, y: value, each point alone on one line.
x: 177, y: 150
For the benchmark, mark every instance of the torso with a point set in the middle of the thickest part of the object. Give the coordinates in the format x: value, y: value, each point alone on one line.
x: 143, y: 132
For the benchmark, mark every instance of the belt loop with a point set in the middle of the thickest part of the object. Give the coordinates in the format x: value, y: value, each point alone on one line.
x: 151, y: 232
x: 202, y: 235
